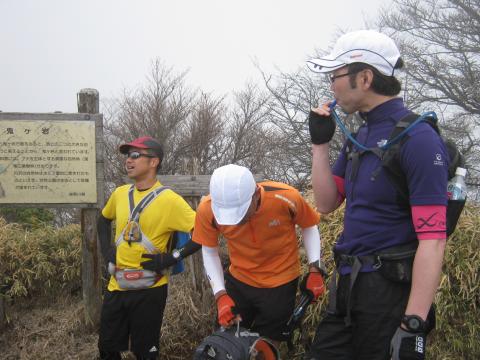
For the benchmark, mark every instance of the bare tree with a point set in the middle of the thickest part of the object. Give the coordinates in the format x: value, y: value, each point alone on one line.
x: 158, y: 109
x: 291, y: 98
x: 204, y: 144
x: 440, y: 41
x: 248, y: 133
x: 198, y: 131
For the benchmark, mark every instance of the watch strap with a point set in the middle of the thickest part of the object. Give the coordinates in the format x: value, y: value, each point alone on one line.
x: 320, y: 266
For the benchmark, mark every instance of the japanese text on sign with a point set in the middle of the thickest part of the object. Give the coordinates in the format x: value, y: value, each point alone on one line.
x: 47, y: 161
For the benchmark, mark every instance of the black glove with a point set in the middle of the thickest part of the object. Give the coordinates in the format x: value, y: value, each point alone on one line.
x: 158, y: 262
x: 406, y: 345
x: 321, y: 128
x: 111, y: 256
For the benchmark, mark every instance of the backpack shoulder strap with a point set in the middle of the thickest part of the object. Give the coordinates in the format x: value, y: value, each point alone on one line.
x: 147, y: 200
x: 390, y: 158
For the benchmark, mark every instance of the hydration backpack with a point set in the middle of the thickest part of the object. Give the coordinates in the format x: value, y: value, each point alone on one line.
x: 389, y: 156
x: 236, y: 343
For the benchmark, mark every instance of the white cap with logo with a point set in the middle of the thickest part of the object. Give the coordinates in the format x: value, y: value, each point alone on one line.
x: 364, y: 46
x: 231, y: 190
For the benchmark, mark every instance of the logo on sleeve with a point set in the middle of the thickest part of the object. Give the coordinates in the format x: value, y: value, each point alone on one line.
x: 438, y: 160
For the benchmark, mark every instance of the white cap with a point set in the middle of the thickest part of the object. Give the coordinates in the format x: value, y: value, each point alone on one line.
x: 231, y: 191
x: 364, y: 46
x: 460, y: 171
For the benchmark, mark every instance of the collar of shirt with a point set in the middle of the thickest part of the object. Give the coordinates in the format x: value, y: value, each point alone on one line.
x: 383, y: 111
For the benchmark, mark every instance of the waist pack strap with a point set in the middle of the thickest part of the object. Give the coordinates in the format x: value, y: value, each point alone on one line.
x: 356, y: 266
x: 332, y: 293
x: 356, y: 262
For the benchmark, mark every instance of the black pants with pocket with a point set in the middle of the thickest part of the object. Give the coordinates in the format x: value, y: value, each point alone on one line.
x: 135, y: 316
x: 377, y: 306
x: 263, y: 310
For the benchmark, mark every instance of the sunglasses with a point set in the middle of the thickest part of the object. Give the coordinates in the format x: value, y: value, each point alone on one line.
x: 135, y: 155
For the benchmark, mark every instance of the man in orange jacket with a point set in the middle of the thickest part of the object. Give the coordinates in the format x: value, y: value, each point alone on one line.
x: 258, y: 222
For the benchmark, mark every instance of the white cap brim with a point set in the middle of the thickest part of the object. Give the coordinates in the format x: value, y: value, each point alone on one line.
x: 230, y: 215
x: 324, y: 65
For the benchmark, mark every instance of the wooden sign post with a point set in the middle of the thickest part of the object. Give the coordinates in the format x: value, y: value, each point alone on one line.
x: 88, y: 103
x: 55, y: 160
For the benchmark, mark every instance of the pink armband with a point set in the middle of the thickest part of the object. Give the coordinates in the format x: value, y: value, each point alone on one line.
x: 430, y: 221
x: 340, y: 182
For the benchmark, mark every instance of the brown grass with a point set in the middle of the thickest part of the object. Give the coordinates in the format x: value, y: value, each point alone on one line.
x: 45, y: 309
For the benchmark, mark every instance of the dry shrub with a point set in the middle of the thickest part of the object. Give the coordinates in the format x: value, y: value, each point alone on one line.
x: 40, y: 262
x: 43, y: 330
x: 187, y: 319
x: 40, y: 329
x: 457, y: 301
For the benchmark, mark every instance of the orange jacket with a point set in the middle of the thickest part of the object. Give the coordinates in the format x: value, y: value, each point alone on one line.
x: 264, y: 251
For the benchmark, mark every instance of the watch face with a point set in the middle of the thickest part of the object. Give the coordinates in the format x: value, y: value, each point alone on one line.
x: 414, y: 323
x: 176, y: 254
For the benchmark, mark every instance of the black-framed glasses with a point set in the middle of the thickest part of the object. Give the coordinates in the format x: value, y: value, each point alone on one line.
x: 332, y: 77
x: 135, y: 155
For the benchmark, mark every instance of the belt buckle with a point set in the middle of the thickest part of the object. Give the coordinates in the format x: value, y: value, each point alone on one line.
x: 132, y: 232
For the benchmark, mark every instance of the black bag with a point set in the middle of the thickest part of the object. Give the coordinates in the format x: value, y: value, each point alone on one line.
x: 396, y: 263
x: 235, y: 343
x: 391, y: 164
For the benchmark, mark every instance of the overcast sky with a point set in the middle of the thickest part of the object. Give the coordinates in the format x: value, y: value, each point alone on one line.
x: 50, y: 49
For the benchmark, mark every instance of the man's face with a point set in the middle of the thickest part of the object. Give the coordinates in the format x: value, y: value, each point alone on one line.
x: 252, y: 208
x: 140, y: 163
x: 349, y: 97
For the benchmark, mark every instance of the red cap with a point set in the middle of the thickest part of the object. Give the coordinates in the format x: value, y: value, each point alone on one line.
x: 144, y: 142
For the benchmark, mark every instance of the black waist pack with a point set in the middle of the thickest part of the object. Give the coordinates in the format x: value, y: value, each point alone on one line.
x: 236, y: 343
x: 396, y: 263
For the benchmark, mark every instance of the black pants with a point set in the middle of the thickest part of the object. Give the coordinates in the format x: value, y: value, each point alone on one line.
x: 263, y: 310
x: 136, y: 315
x: 377, y: 306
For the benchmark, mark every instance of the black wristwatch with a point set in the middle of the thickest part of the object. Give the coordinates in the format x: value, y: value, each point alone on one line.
x: 414, y: 323
x: 320, y: 267
x: 177, y: 255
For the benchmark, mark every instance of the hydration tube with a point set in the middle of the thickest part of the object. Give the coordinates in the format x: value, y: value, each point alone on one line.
x: 349, y: 135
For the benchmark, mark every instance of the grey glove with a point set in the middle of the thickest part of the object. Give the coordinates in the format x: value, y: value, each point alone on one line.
x: 406, y: 345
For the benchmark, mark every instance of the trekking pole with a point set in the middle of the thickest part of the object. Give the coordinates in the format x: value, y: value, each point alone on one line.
x: 297, y: 316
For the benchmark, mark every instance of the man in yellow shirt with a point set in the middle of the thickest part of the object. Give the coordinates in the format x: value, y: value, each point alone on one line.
x: 146, y: 215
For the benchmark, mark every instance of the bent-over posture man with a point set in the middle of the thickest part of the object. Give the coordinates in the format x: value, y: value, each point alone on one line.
x: 389, y: 256
x: 258, y: 222
x: 146, y: 215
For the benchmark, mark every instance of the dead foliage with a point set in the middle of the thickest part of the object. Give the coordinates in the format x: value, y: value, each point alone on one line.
x: 40, y: 279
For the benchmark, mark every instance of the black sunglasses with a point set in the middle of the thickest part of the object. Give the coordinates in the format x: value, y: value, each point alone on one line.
x: 135, y: 155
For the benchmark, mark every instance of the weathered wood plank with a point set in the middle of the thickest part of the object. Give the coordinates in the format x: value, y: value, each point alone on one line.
x: 49, y: 116
x: 88, y: 102
x: 192, y: 185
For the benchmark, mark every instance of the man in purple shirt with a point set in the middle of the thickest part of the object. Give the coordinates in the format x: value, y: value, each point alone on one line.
x: 390, y: 254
